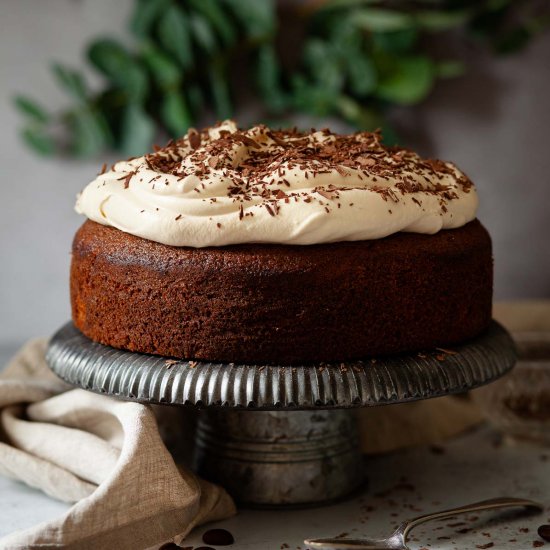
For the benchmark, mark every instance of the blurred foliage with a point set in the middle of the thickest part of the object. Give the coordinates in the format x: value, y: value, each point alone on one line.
x: 356, y: 60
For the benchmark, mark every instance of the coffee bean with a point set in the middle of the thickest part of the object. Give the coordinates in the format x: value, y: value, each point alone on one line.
x: 204, y: 548
x: 218, y: 537
x: 544, y: 532
x: 170, y: 546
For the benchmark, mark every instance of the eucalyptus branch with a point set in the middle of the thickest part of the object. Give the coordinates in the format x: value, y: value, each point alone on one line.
x: 358, y: 59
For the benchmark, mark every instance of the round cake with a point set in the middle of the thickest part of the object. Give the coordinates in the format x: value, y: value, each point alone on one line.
x: 280, y: 247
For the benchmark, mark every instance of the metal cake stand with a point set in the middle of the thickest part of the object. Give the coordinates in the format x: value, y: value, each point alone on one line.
x: 279, y: 435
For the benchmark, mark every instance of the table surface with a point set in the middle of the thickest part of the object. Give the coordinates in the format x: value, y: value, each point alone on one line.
x: 471, y: 467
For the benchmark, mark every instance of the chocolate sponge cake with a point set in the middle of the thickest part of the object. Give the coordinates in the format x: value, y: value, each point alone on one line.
x: 282, y: 248
x: 258, y: 303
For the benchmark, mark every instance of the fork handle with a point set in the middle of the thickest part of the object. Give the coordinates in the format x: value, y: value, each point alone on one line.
x: 491, y: 504
x: 399, y: 537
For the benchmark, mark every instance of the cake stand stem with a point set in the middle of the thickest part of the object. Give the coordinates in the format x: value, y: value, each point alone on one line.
x: 280, y: 458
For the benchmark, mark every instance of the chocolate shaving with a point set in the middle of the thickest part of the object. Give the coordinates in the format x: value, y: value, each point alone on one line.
x: 270, y: 210
x: 327, y: 194
x: 280, y: 142
x: 249, y: 142
x: 194, y: 138
x: 126, y: 179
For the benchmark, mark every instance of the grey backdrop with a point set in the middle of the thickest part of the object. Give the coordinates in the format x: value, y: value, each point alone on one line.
x: 495, y: 123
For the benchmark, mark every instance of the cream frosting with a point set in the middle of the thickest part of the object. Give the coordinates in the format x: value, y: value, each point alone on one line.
x: 224, y: 186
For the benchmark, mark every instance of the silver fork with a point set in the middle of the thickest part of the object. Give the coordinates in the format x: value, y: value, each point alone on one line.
x: 397, y: 541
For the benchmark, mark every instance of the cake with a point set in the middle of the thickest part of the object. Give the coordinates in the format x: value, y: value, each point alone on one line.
x: 280, y: 247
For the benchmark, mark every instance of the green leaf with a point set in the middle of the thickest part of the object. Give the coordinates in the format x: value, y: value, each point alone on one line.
x: 115, y: 62
x: 138, y: 131
x: 175, y: 35
x: 450, y: 69
x: 338, y: 4
x: 217, y: 17
x: 497, y: 5
x: 389, y: 135
x: 175, y: 113
x: 513, y: 41
x: 442, y: 20
x: 358, y: 115
x: 146, y: 14
x: 195, y: 97
x: 166, y: 73
x: 220, y: 92
x: 31, y: 109
x: 89, y: 132
x: 269, y: 78
x: 323, y: 64
x: 350, y: 47
x: 363, y: 76
x: 382, y: 20
x: 488, y: 22
x: 39, y: 141
x: 258, y: 17
x: 312, y: 98
x: 346, y: 38
x: 111, y: 103
x: 396, y: 41
x: 202, y: 33
x: 409, y: 81
x: 72, y: 81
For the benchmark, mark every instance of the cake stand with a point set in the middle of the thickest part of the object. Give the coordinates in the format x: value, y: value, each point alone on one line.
x: 280, y: 435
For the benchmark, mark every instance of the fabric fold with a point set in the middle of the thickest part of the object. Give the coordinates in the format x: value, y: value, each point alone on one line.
x: 105, y: 455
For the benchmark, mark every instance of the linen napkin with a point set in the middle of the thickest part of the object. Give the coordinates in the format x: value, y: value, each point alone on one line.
x: 390, y: 429
x: 103, y: 454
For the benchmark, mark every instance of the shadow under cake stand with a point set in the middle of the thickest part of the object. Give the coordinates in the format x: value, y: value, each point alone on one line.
x: 279, y: 435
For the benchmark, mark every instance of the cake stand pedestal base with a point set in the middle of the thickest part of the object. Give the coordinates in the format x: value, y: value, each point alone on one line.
x: 278, y: 458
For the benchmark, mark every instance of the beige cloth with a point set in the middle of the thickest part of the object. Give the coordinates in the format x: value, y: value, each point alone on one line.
x: 523, y: 315
x: 103, y: 454
x: 385, y: 429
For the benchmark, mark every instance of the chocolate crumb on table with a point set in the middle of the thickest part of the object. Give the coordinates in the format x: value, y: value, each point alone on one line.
x: 437, y: 449
x: 544, y: 532
x: 218, y: 537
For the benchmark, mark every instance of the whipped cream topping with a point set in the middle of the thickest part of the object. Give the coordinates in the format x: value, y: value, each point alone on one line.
x: 224, y: 186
